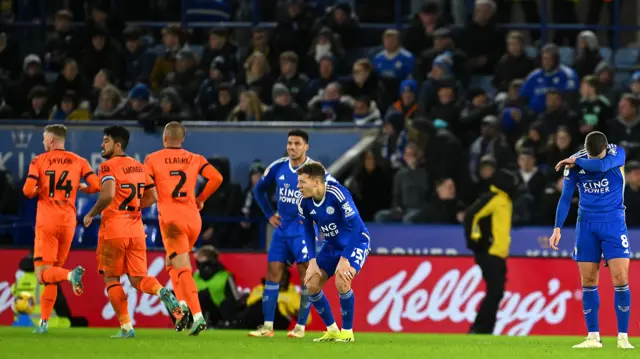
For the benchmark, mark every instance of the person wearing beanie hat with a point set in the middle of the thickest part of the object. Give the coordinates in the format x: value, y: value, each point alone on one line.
x: 407, y: 104
x: 283, y: 108
x: 31, y: 60
x: 39, y: 104
x: 443, y: 45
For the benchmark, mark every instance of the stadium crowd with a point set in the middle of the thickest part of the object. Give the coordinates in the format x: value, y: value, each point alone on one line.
x: 443, y: 132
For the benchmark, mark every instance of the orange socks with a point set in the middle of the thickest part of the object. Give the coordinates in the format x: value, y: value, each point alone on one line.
x: 54, y: 275
x: 118, y: 300
x: 47, y: 300
x: 188, y: 288
x: 149, y: 285
x: 173, y: 274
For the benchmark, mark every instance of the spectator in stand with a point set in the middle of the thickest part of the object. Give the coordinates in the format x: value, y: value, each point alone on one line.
x: 293, y: 31
x: 342, y: 21
x: 493, y: 143
x: 395, y: 139
x: 187, y: 76
x: 258, y: 76
x: 100, y: 81
x: 260, y: 44
x: 515, y: 64
x: 477, y: 108
x: 440, y: 75
x: 219, y: 73
x: 172, y: 109
x: 557, y: 114
x: 411, y: 189
x: 325, y: 44
x: 534, y: 138
x: 551, y: 75
x: 110, y: 104
x: 393, y: 64
x: 63, y: 43
x: 39, y: 106
x: 625, y: 130
x: 10, y: 60
x: 165, y: 62
x: 446, y: 113
x: 138, y: 60
x: 326, y: 71
x: 365, y: 82
x: 595, y: 110
x: 31, y: 76
x: 532, y: 179
x: 514, y: 113
x: 408, y: 102
x: 563, y: 146
x: 140, y: 107
x: 249, y: 108
x: 70, y: 80
x: 292, y: 79
x: 606, y: 86
x: 442, y: 43
x: 632, y: 194
x: 365, y: 112
x: 369, y: 183
x: 444, y: 208
x: 587, y: 54
x: 101, y: 54
x: 482, y: 40
x: 549, y: 203
x: 330, y: 106
x: 220, y: 46
x: 68, y: 108
x: 420, y: 34
x: 284, y: 108
x: 102, y: 17
x: 222, y: 107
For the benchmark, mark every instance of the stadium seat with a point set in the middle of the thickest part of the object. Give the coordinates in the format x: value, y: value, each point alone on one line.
x: 566, y: 55
x: 531, y: 51
x: 606, y: 54
x: 625, y: 58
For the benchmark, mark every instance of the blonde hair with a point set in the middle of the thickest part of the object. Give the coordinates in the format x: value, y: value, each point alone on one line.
x: 111, y: 93
x: 255, y: 105
x: 256, y: 56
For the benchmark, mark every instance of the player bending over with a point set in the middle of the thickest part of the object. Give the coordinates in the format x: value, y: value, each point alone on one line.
x: 289, y: 242
x: 598, y: 172
x: 344, y: 251
x: 175, y: 173
x: 126, y: 189
x: 54, y: 177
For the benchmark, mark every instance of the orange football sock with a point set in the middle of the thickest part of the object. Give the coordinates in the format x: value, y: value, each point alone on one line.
x: 189, y: 289
x: 149, y: 285
x: 47, y: 300
x: 55, y: 275
x: 175, y: 281
x: 118, y: 300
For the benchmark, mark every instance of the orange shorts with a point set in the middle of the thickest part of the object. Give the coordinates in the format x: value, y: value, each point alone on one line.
x: 180, y: 236
x: 52, y: 245
x: 118, y: 256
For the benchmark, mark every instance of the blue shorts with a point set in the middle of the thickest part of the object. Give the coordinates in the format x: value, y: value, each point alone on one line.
x: 288, y: 249
x: 328, y: 258
x: 595, y: 239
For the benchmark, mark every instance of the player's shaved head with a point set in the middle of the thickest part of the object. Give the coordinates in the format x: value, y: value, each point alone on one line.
x: 595, y: 143
x: 175, y: 131
x: 58, y: 130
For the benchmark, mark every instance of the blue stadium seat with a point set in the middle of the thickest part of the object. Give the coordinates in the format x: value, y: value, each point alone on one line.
x: 531, y: 51
x: 606, y: 54
x: 625, y: 58
x: 483, y: 82
x: 566, y: 55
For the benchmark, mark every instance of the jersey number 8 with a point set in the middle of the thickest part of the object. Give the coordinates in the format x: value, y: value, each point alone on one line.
x: 625, y: 241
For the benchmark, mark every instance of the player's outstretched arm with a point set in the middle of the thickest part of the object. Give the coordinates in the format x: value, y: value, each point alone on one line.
x: 610, y: 161
x: 213, y: 178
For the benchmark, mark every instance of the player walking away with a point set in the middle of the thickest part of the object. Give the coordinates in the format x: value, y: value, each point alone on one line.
x: 598, y: 172
x: 175, y: 173
x: 289, y: 242
x: 344, y: 251
x: 126, y: 189
x: 54, y: 177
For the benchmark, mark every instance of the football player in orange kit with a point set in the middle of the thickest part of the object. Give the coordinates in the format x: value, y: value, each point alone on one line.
x: 126, y: 189
x: 175, y: 172
x: 54, y: 177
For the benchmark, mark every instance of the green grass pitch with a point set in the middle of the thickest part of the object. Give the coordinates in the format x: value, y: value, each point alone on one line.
x: 165, y: 344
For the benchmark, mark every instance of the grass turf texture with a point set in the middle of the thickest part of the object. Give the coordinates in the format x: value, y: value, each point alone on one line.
x: 160, y: 344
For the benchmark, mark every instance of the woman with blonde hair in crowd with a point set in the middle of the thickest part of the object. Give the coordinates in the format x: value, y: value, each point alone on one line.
x: 258, y: 76
x: 249, y: 108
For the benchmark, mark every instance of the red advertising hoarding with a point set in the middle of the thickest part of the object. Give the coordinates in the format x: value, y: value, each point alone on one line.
x: 393, y: 294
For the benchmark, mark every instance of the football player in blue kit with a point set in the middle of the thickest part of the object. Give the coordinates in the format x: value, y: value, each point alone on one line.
x: 344, y: 250
x: 289, y: 242
x: 598, y: 173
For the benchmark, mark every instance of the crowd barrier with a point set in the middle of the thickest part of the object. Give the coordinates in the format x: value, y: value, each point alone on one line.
x: 421, y: 294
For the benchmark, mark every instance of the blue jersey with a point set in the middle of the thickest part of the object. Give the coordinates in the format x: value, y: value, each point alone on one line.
x: 600, y: 183
x: 337, y: 219
x: 398, y: 67
x: 535, y: 87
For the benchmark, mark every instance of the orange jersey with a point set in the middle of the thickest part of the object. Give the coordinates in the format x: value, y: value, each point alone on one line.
x: 55, y: 177
x: 123, y: 217
x: 175, y: 172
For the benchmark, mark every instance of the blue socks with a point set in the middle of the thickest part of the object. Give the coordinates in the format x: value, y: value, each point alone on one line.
x: 270, y: 300
x: 305, y: 307
x: 622, y: 301
x: 321, y: 304
x: 590, y: 306
x: 347, y: 304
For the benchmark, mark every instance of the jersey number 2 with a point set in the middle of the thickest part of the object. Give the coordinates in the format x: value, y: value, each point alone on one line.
x: 63, y: 184
x: 136, y: 191
x: 183, y: 178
